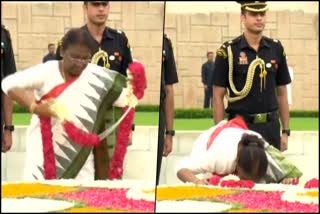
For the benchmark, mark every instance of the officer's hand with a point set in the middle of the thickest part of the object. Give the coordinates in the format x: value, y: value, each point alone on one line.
x: 284, y: 143
x: 205, y: 87
x: 44, y: 109
x: 167, y: 146
x: 7, y: 141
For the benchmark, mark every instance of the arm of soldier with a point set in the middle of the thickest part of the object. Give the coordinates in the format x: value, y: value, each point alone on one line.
x: 7, y: 106
x: 282, y: 79
x: 219, y: 83
x: 170, y: 77
x: 169, y: 109
x: 7, y: 135
x: 218, y: 105
x: 127, y: 59
x: 9, y: 67
x: 284, y: 114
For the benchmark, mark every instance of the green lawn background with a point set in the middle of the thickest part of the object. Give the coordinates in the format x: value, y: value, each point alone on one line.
x: 152, y: 119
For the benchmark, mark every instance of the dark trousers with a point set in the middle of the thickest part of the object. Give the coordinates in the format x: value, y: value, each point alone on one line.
x: 270, y: 131
x: 161, y: 141
x: 208, y: 97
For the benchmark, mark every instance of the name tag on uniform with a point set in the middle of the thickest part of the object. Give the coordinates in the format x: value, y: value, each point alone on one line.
x: 243, y: 59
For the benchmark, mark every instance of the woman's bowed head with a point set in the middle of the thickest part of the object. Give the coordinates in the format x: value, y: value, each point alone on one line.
x: 230, y: 148
x: 251, y: 162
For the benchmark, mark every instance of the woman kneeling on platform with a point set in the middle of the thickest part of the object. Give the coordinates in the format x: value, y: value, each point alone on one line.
x: 230, y: 148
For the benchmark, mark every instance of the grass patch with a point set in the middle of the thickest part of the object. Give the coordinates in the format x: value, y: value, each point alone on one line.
x: 152, y: 119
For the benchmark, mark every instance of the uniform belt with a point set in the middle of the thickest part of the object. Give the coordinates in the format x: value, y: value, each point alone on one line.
x: 258, y: 117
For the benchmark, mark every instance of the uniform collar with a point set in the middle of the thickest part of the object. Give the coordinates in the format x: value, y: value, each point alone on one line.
x: 106, y: 32
x: 244, y: 43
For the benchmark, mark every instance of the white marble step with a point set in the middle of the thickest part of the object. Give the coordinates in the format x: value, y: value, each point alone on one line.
x: 140, y: 161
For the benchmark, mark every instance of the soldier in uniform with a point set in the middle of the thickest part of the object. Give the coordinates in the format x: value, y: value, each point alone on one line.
x: 114, y: 43
x: 8, y: 66
x: 112, y: 50
x: 168, y: 78
x: 253, y: 71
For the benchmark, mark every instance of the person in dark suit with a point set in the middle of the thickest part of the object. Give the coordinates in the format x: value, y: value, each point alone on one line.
x: 51, y: 53
x: 206, y: 76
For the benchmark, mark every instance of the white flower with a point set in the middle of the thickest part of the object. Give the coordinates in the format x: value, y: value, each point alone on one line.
x: 137, y: 193
x: 299, y: 196
x: 230, y: 177
x: 27, y: 205
x: 189, y: 206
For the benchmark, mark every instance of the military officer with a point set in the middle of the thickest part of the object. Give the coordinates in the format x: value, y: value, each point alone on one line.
x: 112, y: 48
x: 8, y: 66
x: 168, y: 78
x: 252, y: 70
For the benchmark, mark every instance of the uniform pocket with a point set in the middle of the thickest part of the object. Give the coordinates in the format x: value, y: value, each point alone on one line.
x: 242, y: 69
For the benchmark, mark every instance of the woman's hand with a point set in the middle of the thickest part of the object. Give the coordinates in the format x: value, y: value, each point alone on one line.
x: 44, y: 108
x: 201, y: 182
x: 290, y: 181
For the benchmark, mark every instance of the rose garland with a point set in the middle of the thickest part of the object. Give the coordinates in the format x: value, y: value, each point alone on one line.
x: 216, y: 180
x: 138, y: 82
x: 47, y: 148
x: 313, y: 183
x: 81, y: 137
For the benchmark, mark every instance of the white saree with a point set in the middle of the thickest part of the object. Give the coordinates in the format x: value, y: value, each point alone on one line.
x: 83, y: 99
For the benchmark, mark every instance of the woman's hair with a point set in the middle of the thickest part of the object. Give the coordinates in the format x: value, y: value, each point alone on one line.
x: 252, y: 158
x: 77, y: 36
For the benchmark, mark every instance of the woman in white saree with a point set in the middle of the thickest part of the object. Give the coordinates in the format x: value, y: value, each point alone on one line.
x: 230, y: 148
x: 84, y: 89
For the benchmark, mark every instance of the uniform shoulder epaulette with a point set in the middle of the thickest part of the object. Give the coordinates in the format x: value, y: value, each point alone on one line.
x: 168, y: 40
x: 235, y: 40
x: 222, y: 51
x: 115, y: 31
x: 231, y: 42
x: 268, y: 39
x: 6, y: 30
